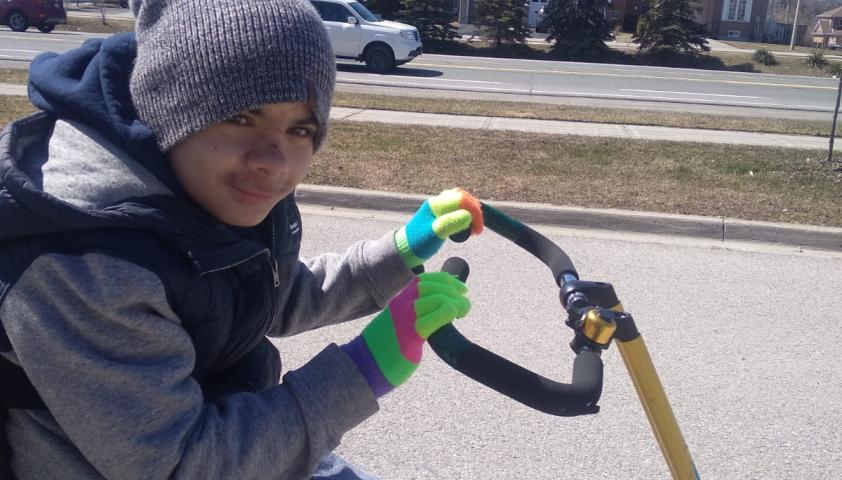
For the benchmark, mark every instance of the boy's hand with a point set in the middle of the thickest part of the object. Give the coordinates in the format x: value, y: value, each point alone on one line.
x: 390, y: 347
x: 448, y: 213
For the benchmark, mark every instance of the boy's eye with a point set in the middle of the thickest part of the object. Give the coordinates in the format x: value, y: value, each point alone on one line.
x: 303, y: 132
x: 239, y: 120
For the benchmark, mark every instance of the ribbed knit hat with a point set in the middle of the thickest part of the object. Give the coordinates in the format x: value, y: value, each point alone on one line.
x: 202, y: 61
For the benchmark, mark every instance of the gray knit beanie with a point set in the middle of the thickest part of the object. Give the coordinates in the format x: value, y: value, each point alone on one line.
x: 202, y: 61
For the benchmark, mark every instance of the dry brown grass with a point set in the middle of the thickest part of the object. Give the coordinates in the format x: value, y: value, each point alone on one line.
x: 14, y: 75
x: 738, y: 182
x: 12, y: 107
x: 95, y: 25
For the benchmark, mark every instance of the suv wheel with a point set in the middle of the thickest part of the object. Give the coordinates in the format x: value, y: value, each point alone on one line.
x: 17, y: 21
x: 379, y: 58
x: 46, y: 27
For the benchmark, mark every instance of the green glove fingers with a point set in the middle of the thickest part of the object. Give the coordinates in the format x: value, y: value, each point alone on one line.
x: 390, y: 347
x: 437, y: 311
x: 450, y: 223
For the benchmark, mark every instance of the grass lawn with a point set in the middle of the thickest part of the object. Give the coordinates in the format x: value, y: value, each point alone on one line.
x: 12, y: 107
x: 739, y: 182
x: 95, y: 25
x: 753, y: 183
x: 14, y: 75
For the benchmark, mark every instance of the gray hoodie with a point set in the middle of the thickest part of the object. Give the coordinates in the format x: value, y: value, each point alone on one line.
x: 97, y: 336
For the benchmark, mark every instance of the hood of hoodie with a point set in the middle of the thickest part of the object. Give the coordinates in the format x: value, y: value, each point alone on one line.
x: 87, y: 162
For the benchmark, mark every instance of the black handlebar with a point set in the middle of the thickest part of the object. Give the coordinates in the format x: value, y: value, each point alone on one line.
x: 529, y: 388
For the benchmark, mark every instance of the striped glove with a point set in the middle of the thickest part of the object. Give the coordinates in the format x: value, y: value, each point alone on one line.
x: 448, y: 213
x: 390, y: 347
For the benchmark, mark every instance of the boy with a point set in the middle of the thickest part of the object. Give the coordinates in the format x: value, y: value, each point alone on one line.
x: 150, y: 243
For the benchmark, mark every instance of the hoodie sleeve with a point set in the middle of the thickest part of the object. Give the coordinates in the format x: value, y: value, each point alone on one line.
x: 334, y: 288
x: 100, y: 343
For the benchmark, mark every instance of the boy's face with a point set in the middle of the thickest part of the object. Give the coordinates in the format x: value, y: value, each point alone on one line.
x: 240, y: 168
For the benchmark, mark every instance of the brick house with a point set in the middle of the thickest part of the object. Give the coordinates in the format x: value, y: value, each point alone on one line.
x: 827, y: 31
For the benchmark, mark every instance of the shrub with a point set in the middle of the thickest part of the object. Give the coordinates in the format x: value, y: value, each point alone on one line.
x: 835, y: 69
x: 816, y: 59
x: 761, y: 55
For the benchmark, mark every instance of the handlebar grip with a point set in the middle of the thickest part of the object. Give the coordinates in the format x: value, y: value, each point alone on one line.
x: 462, y: 236
x: 579, y: 397
x: 529, y: 388
x: 531, y: 241
x: 457, y: 267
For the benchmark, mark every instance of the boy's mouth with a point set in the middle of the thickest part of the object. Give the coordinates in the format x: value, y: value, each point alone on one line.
x: 252, y: 194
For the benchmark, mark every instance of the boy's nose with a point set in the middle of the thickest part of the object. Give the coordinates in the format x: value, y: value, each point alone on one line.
x: 268, y: 158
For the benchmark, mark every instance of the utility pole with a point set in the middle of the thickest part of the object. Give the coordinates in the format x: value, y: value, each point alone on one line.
x: 833, y: 124
x: 794, y: 26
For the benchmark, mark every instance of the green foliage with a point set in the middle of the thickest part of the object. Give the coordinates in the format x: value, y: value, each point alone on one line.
x: 761, y: 55
x: 816, y: 59
x: 579, y: 29
x: 387, y: 9
x: 432, y: 18
x: 501, y: 21
x: 670, y: 25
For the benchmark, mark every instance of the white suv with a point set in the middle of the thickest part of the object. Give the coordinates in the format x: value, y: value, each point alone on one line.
x: 357, y: 34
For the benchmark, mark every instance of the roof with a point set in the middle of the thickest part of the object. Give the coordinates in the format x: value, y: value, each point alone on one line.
x: 836, y: 12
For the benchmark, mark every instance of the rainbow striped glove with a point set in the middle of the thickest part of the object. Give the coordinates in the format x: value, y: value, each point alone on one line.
x: 390, y: 347
x: 439, y: 217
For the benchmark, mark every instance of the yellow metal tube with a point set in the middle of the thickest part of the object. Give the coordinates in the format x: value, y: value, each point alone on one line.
x: 657, y: 407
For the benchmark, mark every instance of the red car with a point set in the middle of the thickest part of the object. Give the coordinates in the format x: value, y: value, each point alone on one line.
x: 43, y: 14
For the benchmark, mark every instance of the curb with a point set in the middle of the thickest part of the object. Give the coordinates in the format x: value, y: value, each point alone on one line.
x: 710, y: 228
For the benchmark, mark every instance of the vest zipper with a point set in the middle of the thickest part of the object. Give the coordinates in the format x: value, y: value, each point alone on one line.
x: 276, y: 278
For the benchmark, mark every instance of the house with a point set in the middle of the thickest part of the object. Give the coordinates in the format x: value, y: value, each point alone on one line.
x: 736, y: 19
x: 827, y: 31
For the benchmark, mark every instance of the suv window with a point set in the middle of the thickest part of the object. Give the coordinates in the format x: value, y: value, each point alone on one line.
x: 332, y: 12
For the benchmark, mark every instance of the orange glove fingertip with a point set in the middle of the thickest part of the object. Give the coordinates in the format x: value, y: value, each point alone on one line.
x: 474, y: 207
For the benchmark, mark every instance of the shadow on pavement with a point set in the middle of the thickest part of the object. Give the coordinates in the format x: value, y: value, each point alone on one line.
x: 397, y: 72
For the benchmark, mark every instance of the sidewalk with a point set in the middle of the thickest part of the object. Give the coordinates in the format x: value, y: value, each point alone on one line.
x: 558, y: 127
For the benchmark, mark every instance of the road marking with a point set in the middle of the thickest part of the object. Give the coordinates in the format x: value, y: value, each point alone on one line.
x: 75, y: 38
x: 646, y: 77
x: 688, y: 93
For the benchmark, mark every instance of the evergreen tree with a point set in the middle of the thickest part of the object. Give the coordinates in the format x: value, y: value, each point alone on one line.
x: 579, y: 28
x: 388, y: 9
x: 502, y: 21
x: 432, y: 18
x: 670, y: 26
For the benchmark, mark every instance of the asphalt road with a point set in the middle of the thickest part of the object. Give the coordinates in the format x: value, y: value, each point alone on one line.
x: 461, y: 77
x: 606, y: 81
x: 745, y: 338
x: 24, y: 46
